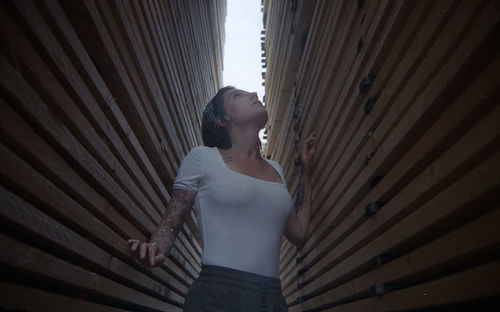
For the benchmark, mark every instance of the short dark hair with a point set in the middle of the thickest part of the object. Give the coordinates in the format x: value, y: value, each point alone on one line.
x: 211, y: 132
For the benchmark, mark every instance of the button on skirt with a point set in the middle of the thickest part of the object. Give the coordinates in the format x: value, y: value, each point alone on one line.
x: 223, y: 289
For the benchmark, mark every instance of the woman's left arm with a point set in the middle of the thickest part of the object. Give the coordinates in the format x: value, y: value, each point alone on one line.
x: 297, y: 226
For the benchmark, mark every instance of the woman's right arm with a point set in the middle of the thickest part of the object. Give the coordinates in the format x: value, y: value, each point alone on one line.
x: 163, y: 237
x: 178, y: 210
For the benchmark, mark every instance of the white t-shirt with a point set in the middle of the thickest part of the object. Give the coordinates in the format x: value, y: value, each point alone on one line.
x: 241, y: 218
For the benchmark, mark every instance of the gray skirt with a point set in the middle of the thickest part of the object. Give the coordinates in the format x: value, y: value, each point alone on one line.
x: 220, y: 289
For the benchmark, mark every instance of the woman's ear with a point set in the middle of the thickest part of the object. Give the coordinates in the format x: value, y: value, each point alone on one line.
x: 219, y: 122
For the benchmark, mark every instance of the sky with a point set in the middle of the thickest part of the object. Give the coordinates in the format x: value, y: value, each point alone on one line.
x: 242, y: 47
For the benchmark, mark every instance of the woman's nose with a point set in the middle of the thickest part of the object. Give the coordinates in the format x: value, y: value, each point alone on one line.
x: 254, y: 94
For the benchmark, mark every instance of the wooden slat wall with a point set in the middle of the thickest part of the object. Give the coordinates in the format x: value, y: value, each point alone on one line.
x: 100, y: 101
x: 404, y: 96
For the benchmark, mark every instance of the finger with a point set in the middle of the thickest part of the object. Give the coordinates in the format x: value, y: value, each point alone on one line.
x: 160, y: 258
x: 305, y: 152
x: 143, y: 248
x: 152, y: 252
x: 134, y: 245
x: 308, y: 146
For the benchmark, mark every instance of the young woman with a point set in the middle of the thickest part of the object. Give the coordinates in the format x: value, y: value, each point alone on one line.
x: 243, y: 208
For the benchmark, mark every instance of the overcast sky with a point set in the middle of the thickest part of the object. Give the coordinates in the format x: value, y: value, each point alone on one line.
x: 242, y: 47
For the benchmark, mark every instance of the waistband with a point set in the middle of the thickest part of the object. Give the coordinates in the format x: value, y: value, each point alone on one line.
x: 248, y: 280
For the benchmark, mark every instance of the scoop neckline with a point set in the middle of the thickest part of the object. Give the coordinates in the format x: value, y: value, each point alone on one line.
x: 241, y: 174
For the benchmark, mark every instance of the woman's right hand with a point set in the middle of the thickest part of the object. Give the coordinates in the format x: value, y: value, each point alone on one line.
x: 148, y: 254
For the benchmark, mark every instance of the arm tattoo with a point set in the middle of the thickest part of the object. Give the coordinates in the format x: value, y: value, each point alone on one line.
x: 301, y: 197
x: 178, y: 209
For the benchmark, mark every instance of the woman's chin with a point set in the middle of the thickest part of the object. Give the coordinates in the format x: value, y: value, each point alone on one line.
x: 263, y: 117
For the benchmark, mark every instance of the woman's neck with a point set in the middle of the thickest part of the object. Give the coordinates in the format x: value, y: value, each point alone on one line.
x: 245, y: 144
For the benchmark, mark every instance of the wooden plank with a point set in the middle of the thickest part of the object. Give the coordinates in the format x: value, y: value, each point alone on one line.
x: 134, y: 41
x: 14, y: 298
x: 275, y: 100
x: 405, y: 122
x: 50, y: 234
x: 91, y: 77
x: 147, y: 67
x: 14, y: 129
x: 476, y: 283
x: 449, y: 167
x: 452, y: 124
x: 57, y: 99
x: 337, y: 59
x: 33, y: 106
x: 352, y: 66
x: 343, y: 26
x: 66, y: 177
x: 126, y: 90
x: 103, y: 102
x: 178, y: 111
x: 434, y: 218
x: 457, y: 249
x: 46, y: 118
x: 19, y: 256
x: 320, y: 214
x: 34, y: 188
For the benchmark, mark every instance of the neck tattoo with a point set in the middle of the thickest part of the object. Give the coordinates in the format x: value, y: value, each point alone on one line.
x: 227, y: 158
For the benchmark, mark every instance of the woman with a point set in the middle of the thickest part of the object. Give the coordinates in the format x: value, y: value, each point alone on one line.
x: 243, y: 209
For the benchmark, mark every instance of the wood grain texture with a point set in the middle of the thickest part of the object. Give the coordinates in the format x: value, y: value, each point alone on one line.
x: 100, y: 102
x: 425, y: 152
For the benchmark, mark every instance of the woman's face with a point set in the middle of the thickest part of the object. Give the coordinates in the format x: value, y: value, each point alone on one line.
x: 244, y: 108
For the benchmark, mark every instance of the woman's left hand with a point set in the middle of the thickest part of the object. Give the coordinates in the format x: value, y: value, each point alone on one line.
x: 307, y: 154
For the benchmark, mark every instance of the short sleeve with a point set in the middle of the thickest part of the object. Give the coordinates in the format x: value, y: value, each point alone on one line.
x: 278, y: 168
x: 190, y: 172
